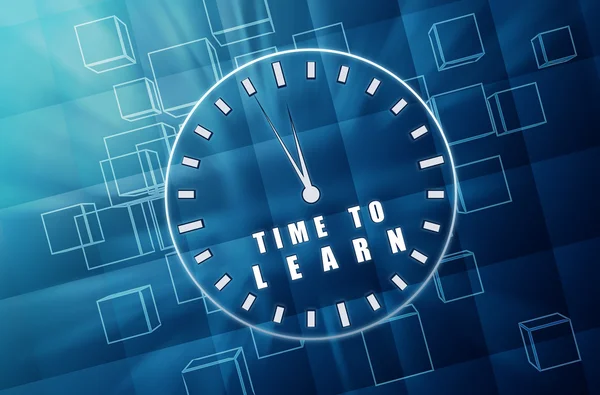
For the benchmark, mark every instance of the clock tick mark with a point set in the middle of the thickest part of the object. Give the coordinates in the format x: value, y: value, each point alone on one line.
x: 186, y: 194
x: 373, y: 86
x: 278, y: 72
x: 421, y: 131
x: 399, y: 106
x: 373, y: 302
x: 224, y: 107
x: 249, y: 87
x: 311, y: 318
x: 399, y: 282
x: 343, y: 74
x: 311, y: 70
x: 431, y: 162
x: 433, y: 194
x: 203, y: 256
x: 343, y: 314
x: 248, y: 302
x: 223, y: 281
x: 191, y: 226
x: 431, y: 226
x: 203, y: 132
x: 418, y: 256
x: 190, y: 162
x: 278, y: 317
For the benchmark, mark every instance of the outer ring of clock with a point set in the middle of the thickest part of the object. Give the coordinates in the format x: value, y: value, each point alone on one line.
x: 446, y: 241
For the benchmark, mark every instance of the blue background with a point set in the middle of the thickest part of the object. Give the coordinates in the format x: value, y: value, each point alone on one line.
x: 537, y: 255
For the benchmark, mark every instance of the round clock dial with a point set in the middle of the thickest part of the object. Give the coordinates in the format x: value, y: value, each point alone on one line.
x: 310, y: 194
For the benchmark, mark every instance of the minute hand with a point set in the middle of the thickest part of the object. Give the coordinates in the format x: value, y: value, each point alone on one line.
x: 310, y: 193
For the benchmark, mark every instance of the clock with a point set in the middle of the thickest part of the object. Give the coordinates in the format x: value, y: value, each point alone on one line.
x: 310, y: 194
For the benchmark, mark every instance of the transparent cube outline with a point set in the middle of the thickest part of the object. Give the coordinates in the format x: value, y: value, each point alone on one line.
x: 164, y: 127
x: 460, y: 194
x: 432, y: 104
x: 399, y: 316
x: 554, y: 62
x: 161, y: 242
x: 144, y: 308
x: 501, y: 114
x: 124, y: 56
x: 135, y: 231
x: 438, y: 283
x: 155, y: 110
x: 52, y: 252
x: 341, y: 24
x: 237, y: 64
x: 214, y: 61
x: 237, y: 351
x: 446, y: 65
x: 206, y: 302
x: 139, y: 192
x: 173, y: 280
x: 426, y: 100
x: 275, y: 339
x: 240, y: 27
x: 522, y: 328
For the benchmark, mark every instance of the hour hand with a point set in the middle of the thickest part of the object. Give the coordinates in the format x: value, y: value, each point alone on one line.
x: 310, y: 193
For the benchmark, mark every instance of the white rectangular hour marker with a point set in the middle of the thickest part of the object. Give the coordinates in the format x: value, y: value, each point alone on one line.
x: 435, y: 194
x: 278, y: 71
x: 221, y: 105
x: 373, y: 302
x: 343, y: 74
x: 203, y: 132
x: 278, y: 314
x: 399, y: 282
x: 190, y: 226
x: 250, y: 89
x: 373, y: 86
x: 343, y: 313
x: 186, y: 194
x: 311, y: 70
x: 190, y: 162
x: 248, y: 302
x: 203, y: 256
x: 223, y: 281
x: 432, y: 226
x: 311, y: 318
x: 418, y: 256
x: 399, y: 106
x: 435, y: 161
x: 415, y: 134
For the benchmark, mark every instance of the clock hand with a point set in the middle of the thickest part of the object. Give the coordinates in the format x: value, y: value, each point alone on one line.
x: 298, y: 172
x: 311, y: 193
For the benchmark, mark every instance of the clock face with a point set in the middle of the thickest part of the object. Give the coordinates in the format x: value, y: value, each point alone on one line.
x: 311, y: 194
